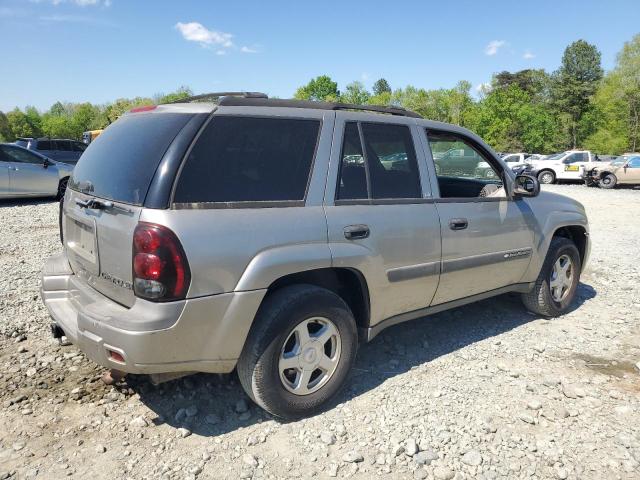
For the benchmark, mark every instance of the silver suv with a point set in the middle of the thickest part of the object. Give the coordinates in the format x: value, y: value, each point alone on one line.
x: 271, y: 235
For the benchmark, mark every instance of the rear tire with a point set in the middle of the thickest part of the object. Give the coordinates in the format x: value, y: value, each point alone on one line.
x: 543, y: 299
x: 268, y: 380
x: 608, y: 181
x: 547, y: 177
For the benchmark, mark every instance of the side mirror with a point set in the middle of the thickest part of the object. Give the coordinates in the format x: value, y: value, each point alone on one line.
x: 46, y: 163
x: 526, y: 186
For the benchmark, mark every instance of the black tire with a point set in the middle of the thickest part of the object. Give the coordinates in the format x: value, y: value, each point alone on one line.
x: 279, y: 314
x: 62, y: 187
x: 540, y: 300
x: 608, y: 181
x: 547, y: 177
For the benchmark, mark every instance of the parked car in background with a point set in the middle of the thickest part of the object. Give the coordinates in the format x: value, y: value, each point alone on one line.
x: 90, y: 136
x: 25, y: 173
x: 535, y: 157
x: 512, y: 160
x: 562, y: 166
x: 270, y: 236
x: 625, y: 170
x: 460, y: 160
x: 58, y: 149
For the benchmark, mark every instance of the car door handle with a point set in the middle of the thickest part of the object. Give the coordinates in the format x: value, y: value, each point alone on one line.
x: 355, y: 232
x: 458, y: 223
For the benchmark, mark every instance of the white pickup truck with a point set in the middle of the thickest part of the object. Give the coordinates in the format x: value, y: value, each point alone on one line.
x: 563, y: 166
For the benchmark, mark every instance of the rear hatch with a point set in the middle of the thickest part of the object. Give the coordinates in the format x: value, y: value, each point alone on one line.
x: 106, y: 195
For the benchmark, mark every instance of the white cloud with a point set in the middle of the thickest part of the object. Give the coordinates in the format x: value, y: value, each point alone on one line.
x: 196, y: 32
x: 249, y: 50
x: 528, y: 55
x: 493, y: 47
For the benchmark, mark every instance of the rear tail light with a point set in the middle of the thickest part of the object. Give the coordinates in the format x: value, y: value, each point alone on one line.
x: 160, y: 268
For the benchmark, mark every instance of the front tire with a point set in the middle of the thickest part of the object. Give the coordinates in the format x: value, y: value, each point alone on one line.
x: 608, y: 181
x: 62, y: 187
x: 299, y: 351
x: 547, y: 177
x: 556, y: 285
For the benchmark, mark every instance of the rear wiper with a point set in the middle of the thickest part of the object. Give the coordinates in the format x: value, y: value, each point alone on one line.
x: 106, y: 205
x: 95, y: 204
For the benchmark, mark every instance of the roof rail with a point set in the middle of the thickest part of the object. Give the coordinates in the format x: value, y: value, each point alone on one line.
x: 221, y: 94
x: 291, y: 103
x: 403, y: 112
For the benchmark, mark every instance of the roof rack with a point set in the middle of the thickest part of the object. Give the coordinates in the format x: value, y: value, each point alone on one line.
x: 264, y: 101
x: 217, y: 95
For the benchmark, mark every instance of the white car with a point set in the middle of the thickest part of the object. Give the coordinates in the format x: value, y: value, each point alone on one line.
x: 512, y: 160
x: 25, y: 173
x: 563, y: 166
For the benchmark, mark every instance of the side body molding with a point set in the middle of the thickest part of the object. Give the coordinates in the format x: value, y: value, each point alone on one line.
x: 274, y: 263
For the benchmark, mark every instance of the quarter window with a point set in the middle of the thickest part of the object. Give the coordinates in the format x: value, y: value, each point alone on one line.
x: 249, y: 159
x: 387, y: 170
x: 462, y: 171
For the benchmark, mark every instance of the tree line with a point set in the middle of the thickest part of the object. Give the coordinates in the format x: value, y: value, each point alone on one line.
x: 576, y: 106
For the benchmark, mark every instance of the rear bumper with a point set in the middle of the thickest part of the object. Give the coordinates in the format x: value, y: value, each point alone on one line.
x: 203, y: 334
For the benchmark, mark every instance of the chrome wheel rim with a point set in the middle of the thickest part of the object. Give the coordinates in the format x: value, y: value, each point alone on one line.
x: 546, y: 178
x: 561, y: 278
x: 309, y: 356
x: 606, y: 180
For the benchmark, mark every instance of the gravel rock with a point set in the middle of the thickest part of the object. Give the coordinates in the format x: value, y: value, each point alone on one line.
x: 352, y: 457
x: 425, y: 457
x: 138, y: 422
x: 443, y: 473
x: 472, y: 458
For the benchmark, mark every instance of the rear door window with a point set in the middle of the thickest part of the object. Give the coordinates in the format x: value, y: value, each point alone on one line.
x: 249, y: 159
x: 120, y: 164
x: 44, y: 145
x: 389, y: 168
x: 63, y: 145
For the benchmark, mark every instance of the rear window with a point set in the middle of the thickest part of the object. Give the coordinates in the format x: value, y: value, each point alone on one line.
x: 120, y: 164
x: 249, y: 159
x: 44, y: 145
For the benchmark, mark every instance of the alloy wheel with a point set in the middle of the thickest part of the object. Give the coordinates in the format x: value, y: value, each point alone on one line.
x: 309, y: 356
x: 561, y: 278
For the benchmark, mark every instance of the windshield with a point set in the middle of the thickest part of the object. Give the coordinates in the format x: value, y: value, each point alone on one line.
x: 119, y: 165
x: 556, y: 156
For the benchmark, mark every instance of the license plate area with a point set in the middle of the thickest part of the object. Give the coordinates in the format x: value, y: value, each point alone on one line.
x: 81, y: 242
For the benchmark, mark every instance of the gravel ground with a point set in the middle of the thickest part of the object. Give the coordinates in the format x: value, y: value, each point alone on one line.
x: 483, y: 391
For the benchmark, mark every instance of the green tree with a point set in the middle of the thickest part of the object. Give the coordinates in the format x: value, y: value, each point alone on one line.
x: 321, y: 88
x: 381, y: 86
x: 574, y: 84
x: 6, y: 135
x: 20, y: 124
x: 616, y: 112
x: 356, y: 94
x: 180, y: 94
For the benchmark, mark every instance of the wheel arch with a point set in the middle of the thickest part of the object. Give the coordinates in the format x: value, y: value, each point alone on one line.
x: 578, y: 235
x: 348, y: 283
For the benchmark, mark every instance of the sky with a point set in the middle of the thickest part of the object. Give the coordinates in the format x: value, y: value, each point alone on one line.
x: 101, y: 50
